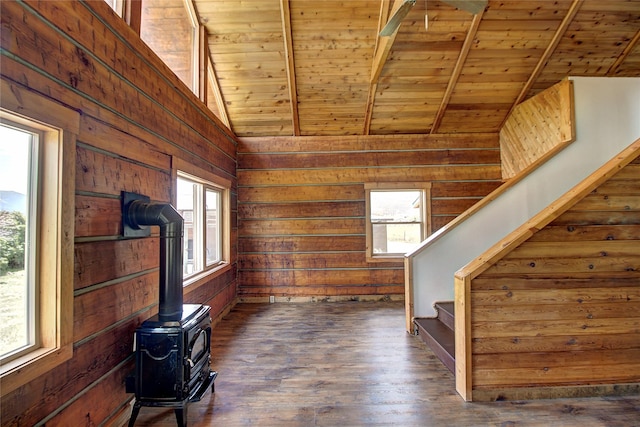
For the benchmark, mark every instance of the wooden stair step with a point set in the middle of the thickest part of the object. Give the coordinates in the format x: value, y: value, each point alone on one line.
x: 439, y: 338
x: 445, y: 313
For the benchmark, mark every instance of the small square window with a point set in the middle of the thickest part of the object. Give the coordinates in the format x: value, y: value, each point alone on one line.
x: 397, y: 219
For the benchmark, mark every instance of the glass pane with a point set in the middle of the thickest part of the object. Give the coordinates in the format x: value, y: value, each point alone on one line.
x: 213, y: 226
x: 16, y: 294
x: 186, y: 195
x: 395, y: 238
x: 396, y: 206
x: 167, y: 29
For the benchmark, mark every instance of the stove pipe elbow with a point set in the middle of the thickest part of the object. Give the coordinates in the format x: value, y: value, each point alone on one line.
x: 141, y: 213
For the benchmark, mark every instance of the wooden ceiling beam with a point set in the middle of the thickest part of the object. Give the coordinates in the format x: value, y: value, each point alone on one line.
x: 455, y: 75
x: 285, y: 14
x: 553, y: 44
x: 383, y: 44
x: 376, y: 68
x: 627, y: 50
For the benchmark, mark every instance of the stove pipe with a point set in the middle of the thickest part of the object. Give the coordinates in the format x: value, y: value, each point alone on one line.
x: 140, y: 213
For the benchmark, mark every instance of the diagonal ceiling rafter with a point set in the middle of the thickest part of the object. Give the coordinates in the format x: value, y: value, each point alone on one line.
x: 455, y: 75
x: 553, y: 44
x: 285, y: 12
x: 381, y: 53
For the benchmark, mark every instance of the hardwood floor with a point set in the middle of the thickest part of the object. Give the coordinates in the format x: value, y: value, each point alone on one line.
x: 353, y: 364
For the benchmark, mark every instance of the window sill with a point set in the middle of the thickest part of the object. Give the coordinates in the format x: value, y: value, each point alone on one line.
x: 197, y: 280
x: 386, y: 258
x: 24, y: 369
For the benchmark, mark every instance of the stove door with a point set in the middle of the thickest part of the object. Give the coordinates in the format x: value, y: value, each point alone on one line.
x: 159, y: 366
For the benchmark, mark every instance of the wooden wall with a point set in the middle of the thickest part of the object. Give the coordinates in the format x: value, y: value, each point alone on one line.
x: 563, y: 308
x: 537, y: 129
x: 301, y: 207
x: 137, y: 119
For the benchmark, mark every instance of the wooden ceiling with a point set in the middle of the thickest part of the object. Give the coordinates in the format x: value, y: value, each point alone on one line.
x: 318, y: 67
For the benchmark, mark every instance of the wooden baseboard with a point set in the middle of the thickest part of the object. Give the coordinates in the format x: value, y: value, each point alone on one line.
x: 331, y: 298
x: 530, y: 393
x: 227, y: 310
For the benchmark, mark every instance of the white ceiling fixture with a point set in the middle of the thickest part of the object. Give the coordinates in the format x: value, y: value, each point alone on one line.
x: 402, y: 8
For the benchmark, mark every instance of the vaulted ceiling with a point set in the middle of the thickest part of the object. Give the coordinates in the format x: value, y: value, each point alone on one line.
x: 319, y: 67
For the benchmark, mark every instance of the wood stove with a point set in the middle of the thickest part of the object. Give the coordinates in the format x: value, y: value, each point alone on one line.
x: 173, y: 348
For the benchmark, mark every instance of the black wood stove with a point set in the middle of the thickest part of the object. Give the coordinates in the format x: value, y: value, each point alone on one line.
x: 173, y: 348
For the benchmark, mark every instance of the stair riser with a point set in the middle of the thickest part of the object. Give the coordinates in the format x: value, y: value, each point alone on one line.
x: 445, y: 356
x: 446, y: 318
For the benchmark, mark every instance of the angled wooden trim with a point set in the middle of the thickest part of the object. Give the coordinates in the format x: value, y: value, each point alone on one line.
x: 371, y: 99
x: 383, y: 47
x: 625, y: 53
x: 203, y: 63
x: 133, y: 14
x: 217, y: 94
x: 285, y: 14
x: 373, y: 86
x: 553, y: 44
x: 462, y: 58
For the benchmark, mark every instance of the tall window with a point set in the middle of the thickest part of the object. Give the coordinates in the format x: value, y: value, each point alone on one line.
x: 170, y: 28
x: 37, y: 175
x: 201, y: 205
x: 19, y: 147
x: 397, y: 218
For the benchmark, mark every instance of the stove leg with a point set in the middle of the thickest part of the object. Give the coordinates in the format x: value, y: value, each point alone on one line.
x: 134, y: 413
x: 181, y: 416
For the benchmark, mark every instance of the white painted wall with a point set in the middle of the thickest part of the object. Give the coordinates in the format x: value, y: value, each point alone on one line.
x: 607, y: 112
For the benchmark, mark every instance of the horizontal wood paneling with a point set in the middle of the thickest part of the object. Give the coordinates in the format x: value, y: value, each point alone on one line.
x: 137, y: 119
x: 551, y: 115
x: 302, y: 205
x: 563, y: 308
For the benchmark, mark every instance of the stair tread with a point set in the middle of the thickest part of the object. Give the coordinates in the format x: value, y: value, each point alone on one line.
x: 440, y: 332
x: 440, y: 338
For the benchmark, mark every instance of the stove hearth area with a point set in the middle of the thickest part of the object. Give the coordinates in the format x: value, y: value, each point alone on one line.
x: 173, y: 348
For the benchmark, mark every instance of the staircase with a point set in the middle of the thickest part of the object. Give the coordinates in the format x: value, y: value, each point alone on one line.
x: 437, y: 333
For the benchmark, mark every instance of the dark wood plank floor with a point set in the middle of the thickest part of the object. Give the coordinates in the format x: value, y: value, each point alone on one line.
x: 353, y: 364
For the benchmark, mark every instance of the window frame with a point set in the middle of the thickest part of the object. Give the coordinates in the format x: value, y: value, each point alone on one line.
x: 223, y: 186
x: 193, y: 79
x: 32, y: 231
x: 59, y: 126
x: 424, y: 187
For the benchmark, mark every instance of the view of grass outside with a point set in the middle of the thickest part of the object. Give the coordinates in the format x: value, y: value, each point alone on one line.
x: 13, y: 289
x: 15, y: 153
x: 13, y: 311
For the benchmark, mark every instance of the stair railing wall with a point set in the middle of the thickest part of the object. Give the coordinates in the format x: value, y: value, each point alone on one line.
x: 606, y: 116
x: 464, y: 286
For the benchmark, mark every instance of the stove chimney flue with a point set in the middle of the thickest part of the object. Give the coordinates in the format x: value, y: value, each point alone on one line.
x: 140, y: 213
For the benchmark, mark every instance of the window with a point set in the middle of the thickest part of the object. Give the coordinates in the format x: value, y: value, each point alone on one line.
x: 19, y: 147
x: 397, y: 218
x: 203, y: 206
x: 171, y: 29
x: 37, y: 175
